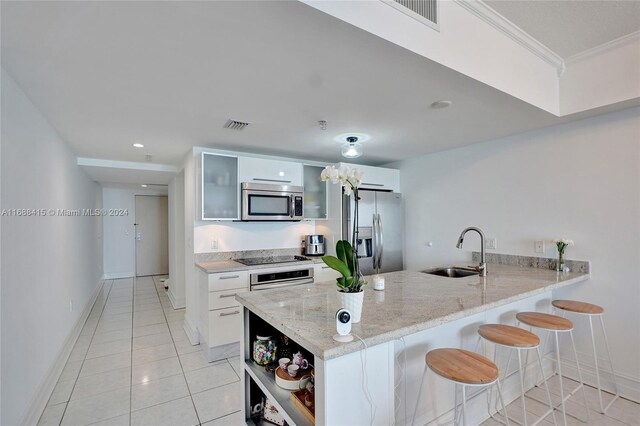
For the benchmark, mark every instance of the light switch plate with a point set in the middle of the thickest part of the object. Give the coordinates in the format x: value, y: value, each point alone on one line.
x: 539, y: 247
x: 214, y: 244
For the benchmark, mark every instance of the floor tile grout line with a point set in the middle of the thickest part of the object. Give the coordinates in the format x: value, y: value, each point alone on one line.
x: 64, y: 412
x: 179, y: 360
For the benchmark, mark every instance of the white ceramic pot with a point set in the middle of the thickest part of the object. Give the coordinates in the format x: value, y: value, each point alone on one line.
x: 353, y: 303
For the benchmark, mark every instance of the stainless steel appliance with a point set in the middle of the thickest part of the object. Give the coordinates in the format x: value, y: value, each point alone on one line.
x: 380, y: 230
x: 314, y: 245
x: 268, y: 260
x: 277, y: 277
x: 267, y: 202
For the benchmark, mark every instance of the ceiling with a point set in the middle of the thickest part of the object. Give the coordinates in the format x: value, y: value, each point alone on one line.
x: 170, y: 74
x: 569, y: 27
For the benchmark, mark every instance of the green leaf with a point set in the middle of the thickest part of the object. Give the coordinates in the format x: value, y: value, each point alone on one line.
x: 349, y: 255
x: 340, y: 251
x: 337, y: 265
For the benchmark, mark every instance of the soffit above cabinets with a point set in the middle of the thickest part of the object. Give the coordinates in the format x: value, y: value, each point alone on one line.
x: 169, y: 78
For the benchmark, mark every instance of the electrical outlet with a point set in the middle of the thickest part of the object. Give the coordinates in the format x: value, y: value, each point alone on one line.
x: 491, y: 243
x: 70, y: 305
x: 539, y: 247
x: 214, y: 244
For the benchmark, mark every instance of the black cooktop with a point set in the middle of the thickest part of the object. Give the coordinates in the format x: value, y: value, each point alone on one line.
x: 250, y: 261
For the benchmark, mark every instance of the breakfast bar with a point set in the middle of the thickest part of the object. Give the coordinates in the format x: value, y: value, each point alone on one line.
x: 375, y: 379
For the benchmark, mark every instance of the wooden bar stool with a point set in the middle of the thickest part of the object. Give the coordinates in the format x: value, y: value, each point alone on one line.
x: 583, y: 308
x: 556, y: 325
x: 463, y: 368
x: 518, y: 339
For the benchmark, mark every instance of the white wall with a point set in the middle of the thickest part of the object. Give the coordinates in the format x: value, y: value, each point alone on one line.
x: 176, y: 242
x: 613, y: 70
x: 250, y: 236
x: 46, y: 261
x: 580, y: 180
x: 119, y: 241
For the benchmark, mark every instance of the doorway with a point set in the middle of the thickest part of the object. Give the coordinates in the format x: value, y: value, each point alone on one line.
x: 152, y: 235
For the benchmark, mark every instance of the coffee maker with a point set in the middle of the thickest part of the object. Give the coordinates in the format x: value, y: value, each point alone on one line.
x: 314, y: 245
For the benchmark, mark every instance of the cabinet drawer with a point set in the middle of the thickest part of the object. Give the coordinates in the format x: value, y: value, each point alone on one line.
x: 224, y: 326
x: 322, y: 273
x: 228, y: 280
x: 224, y: 299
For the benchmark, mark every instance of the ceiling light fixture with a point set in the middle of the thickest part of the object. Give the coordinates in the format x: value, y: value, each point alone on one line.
x: 144, y: 185
x: 441, y: 104
x: 138, y: 145
x: 352, y: 148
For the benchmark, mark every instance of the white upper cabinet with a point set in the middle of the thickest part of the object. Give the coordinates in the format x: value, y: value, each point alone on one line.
x: 261, y: 170
x: 219, y: 187
x: 378, y: 177
x: 315, y: 193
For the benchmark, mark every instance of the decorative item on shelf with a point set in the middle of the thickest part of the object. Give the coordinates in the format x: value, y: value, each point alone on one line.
x: 561, y: 245
x: 284, y: 349
x: 300, y: 361
x: 351, y: 283
x: 271, y: 414
x: 305, y: 402
x: 264, y: 350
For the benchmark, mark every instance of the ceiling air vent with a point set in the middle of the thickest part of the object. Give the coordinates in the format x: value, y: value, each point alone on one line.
x: 235, y: 125
x: 425, y: 11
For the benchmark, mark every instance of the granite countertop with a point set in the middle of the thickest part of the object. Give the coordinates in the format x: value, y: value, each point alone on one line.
x: 216, y: 266
x: 416, y: 301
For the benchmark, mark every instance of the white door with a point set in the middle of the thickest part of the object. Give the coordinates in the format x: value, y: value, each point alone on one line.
x: 152, y: 230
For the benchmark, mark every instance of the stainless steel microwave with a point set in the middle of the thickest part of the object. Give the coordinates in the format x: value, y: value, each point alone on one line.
x: 270, y: 202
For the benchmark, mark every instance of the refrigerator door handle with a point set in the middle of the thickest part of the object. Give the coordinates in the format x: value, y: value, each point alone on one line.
x: 380, y: 241
x: 375, y: 242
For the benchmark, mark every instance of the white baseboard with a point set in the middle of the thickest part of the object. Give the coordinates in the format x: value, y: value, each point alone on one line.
x: 118, y: 275
x: 176, y: 303
x: 39, y: 401
x: 191, y: 330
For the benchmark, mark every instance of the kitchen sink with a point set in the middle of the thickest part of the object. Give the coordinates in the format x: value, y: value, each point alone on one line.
x: 451, y: 272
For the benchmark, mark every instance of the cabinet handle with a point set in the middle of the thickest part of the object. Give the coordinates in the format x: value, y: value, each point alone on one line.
x: 271, y: 180
x: 230, y: 277
x: 372, y: 184
x: 226, y: 314
x: 325, y: 267
x: 227, y: 295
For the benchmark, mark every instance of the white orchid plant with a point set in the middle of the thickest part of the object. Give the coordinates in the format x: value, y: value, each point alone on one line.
x: 346, y: 262
x: 562, y: 244
x: 349, y: 178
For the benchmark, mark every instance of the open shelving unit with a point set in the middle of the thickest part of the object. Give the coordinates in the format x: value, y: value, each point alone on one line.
x: 258, y: 382
x: 281, y: 398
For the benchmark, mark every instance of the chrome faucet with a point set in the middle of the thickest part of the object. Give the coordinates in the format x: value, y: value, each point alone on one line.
x: 482, y: 268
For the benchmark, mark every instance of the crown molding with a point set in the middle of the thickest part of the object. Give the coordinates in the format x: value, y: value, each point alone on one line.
x: 511, y: 30
x: 605, y: 47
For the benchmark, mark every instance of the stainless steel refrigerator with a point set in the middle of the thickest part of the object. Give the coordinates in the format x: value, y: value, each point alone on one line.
x: 380, y: 230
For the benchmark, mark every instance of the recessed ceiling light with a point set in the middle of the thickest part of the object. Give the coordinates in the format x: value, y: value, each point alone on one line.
x: 144, y: 185
x: 138, y: 145
x: 280, y: 174
x: 441, y: 104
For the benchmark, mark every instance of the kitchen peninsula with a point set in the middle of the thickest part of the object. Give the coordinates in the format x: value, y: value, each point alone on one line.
x: 415, y: 313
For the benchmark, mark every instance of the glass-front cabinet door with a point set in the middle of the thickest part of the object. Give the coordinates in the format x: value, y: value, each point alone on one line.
x: 315, y: 193
x: 220, y: 190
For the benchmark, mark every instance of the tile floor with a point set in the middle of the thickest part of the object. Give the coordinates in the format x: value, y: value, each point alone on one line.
x: 133, y: 365
x: 622, y: 413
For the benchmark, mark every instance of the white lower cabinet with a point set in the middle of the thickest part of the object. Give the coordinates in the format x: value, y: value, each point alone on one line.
x: 220, y: 313
x: 322, y: 272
